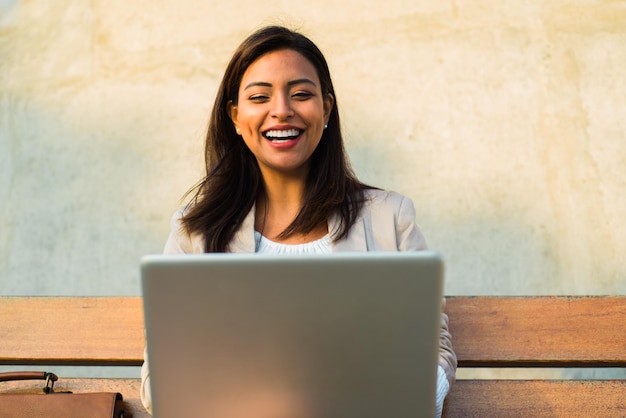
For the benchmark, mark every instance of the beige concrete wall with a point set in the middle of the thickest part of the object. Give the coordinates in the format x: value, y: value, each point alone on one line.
x: 504, y: 121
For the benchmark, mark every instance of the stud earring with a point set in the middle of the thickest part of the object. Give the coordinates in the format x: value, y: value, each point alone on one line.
x: 238, y: 131
x: 325, y: 126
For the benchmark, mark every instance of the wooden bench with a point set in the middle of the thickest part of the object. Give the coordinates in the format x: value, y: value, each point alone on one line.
x: 538, y: 332
x: 488, y: 332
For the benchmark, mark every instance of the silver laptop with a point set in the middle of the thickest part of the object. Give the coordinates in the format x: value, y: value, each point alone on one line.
x: 346, y: 335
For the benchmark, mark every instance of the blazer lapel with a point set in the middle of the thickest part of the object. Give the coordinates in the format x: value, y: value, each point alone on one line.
x: 243, y: 241
x: 356, y: 239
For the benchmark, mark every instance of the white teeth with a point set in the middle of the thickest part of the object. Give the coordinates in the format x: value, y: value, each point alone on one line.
x: 282, y: 133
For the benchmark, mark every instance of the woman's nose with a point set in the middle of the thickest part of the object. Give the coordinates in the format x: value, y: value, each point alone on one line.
x: 281, y: 107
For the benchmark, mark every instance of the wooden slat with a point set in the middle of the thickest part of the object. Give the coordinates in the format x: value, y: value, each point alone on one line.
x: 536, y: 398
x: 71, y: 331
x: 531, y: 331
x: 469, y: 398
x: 129, y: 388
x: 538, y: 331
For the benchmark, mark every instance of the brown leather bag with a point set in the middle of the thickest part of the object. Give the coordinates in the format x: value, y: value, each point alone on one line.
x: 51, y: 404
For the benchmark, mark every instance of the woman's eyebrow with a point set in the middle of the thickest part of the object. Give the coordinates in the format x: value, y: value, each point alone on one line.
x: 301, y: 81
x: 290, y: 83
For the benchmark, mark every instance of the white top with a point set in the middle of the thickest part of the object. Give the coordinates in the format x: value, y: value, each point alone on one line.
x: 267, y: 246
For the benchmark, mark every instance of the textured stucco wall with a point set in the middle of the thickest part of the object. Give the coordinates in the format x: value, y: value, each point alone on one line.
x: 504, y: 121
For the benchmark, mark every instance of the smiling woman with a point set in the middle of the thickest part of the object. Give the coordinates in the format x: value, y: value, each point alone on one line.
x: 268, y: 152
x: 277, y: 176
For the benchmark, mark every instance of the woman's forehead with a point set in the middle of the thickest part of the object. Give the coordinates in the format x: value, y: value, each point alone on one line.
x: 282, y: 65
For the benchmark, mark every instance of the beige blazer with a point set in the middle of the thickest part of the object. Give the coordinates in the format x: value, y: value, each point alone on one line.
x: 386, y: 223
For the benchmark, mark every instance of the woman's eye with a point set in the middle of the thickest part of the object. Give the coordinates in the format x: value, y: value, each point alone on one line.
x: 258, y: 98
x: 302, y: 95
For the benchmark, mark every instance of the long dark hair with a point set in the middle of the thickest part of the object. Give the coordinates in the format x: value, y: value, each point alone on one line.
x: 223, y: 199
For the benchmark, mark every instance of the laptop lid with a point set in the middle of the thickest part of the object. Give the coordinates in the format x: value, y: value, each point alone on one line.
x: 344, y: 335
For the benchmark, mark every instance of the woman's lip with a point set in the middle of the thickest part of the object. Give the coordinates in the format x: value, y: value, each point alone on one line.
x: 284, y: 143
x: 282, y: 128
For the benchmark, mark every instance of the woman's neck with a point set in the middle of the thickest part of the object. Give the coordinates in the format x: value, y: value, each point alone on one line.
x: 278, y: 207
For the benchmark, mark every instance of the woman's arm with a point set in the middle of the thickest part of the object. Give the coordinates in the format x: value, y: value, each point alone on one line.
x: 410, y: 238
x: 178, y: 242
x: 146, y: 397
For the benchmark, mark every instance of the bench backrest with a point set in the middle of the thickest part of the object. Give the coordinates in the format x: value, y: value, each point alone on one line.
x: 538, y: 331
x: 74, y: 331
x: 487, y: 331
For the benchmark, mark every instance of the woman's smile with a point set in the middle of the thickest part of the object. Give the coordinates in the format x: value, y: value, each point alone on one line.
x: 283, y: 135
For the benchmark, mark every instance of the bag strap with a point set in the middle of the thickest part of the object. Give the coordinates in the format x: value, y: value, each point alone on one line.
x: 50, y: 378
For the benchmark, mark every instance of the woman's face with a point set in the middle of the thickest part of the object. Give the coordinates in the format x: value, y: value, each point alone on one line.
x: 281, y: 112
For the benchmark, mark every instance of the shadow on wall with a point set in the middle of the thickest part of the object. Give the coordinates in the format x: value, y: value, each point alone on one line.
x: 500, y: 230
x: 90, y: 191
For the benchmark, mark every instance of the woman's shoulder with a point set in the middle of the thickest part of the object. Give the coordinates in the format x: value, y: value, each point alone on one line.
x: 387, y: 206
x: 388, y: 218
x: 386, y: 199
x: 180, y: 241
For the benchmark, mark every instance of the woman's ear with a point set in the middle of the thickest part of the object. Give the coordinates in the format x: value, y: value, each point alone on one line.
x: 329, y: 102
x: 233, y: 112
